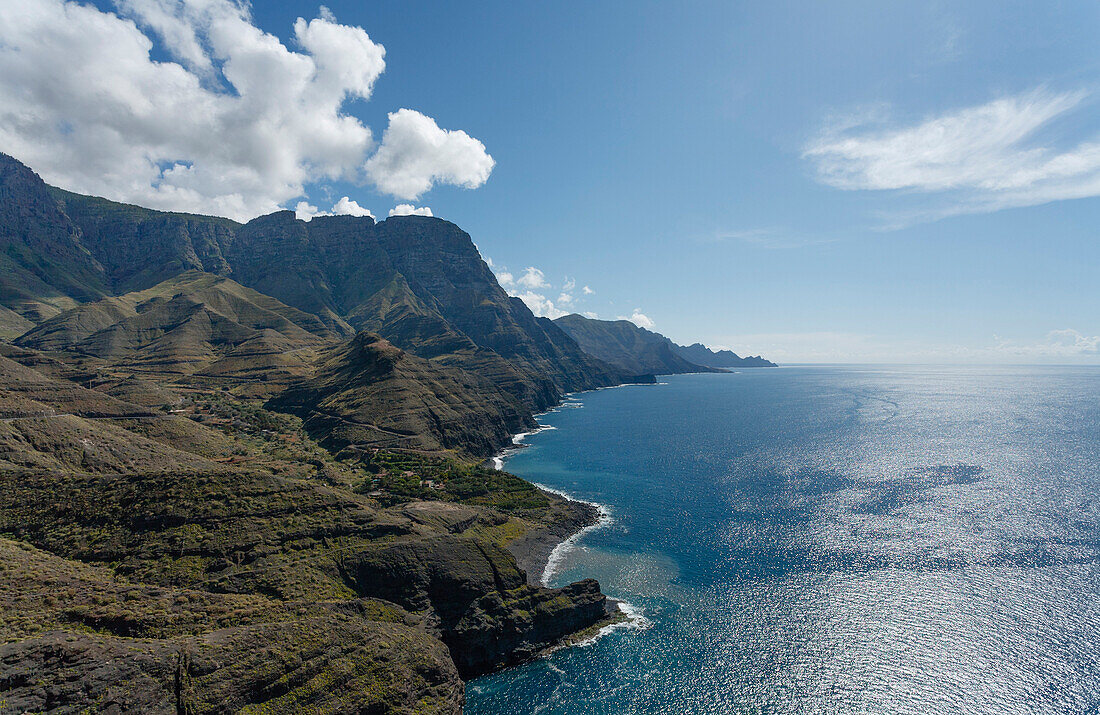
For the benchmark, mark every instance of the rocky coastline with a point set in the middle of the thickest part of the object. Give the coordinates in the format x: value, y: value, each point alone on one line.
x: 532, y: 550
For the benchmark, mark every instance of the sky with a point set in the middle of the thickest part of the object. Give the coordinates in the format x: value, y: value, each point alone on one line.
x: 814, y: 182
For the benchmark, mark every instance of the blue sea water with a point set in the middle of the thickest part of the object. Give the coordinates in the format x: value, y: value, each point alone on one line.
x: 830, y: 540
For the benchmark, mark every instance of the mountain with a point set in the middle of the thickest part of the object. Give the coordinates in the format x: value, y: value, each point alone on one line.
x: 45, y: 267
x: 623, y: 344
x: 242, y: 466
x: 367, y: 393
x: 193, y: 322
x: 416, y: 281
x: 420, y: 283
x: 702, y: 355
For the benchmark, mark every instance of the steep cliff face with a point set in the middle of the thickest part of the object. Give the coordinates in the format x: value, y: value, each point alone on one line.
x: 417, y: 281
x: 440, y: 262
x: 482, y: 605
x: 45, y: 266
x: 420, y: 283
x: 139, y: 247
x: 626, y: 346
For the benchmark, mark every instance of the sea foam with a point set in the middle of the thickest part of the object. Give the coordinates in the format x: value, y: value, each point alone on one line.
x: 562, y: 550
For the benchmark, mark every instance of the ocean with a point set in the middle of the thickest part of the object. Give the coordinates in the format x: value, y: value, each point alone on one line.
x: 828, y: 540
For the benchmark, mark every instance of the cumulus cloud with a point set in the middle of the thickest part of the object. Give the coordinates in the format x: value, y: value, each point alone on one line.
x: 587, y: 291
x: 533, y: 279
x: 410, y: 210
x: 347, y: 207
x: 540, y: 305
x: 591, y: 314
x: 531, y: 287
x: 639, y: 318
x: 305, y: 211
x: 234, y: 124
x: 415, y: 154
x: 991, y: 156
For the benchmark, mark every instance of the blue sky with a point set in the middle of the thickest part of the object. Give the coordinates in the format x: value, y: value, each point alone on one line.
x: 850, y: 181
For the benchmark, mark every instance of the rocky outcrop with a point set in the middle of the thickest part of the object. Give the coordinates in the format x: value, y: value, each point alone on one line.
x: 486, y: 612
x: 80, y: 639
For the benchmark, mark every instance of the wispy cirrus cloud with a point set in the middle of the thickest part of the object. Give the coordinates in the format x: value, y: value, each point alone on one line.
x: 1005, y: 153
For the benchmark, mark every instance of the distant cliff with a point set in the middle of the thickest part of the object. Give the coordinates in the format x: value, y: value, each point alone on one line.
x: 702, y: 355
x: 626, y: 346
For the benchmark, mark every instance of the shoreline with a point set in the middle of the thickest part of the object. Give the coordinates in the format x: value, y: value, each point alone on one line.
x: 540, y: 552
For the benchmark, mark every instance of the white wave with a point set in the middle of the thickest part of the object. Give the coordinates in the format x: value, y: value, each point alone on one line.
x: 520, y: 436
x: 635, y: 621
x: 517, y: 443
x: 562, y: 550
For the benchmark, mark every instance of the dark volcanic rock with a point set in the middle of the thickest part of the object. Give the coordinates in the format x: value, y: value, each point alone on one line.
x: 486, y: 612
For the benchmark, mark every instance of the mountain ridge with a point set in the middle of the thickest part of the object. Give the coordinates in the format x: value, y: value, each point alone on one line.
x: 702, y: 355
x: 252, y: 460
x: 628, y: 346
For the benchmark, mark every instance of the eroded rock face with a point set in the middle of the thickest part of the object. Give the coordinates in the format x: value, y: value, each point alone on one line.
x: 480, y: 601
x: 77, y: 638
x: 327, y: 664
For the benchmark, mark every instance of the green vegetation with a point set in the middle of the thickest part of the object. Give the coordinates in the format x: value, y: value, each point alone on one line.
x: 216, y: 495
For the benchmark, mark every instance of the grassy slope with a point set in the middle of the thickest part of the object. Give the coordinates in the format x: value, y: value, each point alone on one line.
x: 227, y: 537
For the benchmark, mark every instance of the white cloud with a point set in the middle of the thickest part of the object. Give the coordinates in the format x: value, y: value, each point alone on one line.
x: 587, y: 291
x: 415, y: 154
x: 304, y: 211
x: 540, y: 305
x: 347, y: 207
x: 531, y: 286
x: 1065, y: 345
x: 989, y: 156
x: 533, y: 278
x: 591, y: 314
x: 410, y: 210
x: 236, y: 124
x: 639, y: 318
